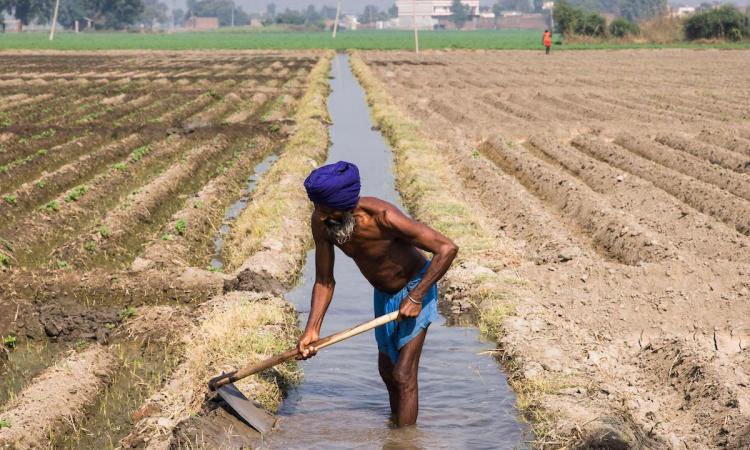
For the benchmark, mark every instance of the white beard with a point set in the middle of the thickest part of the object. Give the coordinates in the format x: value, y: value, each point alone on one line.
x: 342, y: 233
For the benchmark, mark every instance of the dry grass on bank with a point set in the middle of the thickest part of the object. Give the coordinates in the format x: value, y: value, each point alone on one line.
x: 271, y: 222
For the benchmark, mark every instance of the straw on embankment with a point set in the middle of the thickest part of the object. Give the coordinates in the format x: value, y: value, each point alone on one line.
x: 270, y: 237
x: 272, y: 233
x: 432, y: 192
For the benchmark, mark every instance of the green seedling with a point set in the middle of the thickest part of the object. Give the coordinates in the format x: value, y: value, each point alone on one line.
x: 76, y: 193
x: 4, y: 423
x: 62, y: 265
x: 89, y: 246
x: 215, y: 269
x: 10, y: 198
x: 4, y: 260
x: 120, y: 166
x: 9, y: 341
x: 81, y: 344
x: 109, y: 325
x: 139, y: 153
x: 104, y: 231
x: 44, y: 134
x: 181, y: 227
x: 475, y: 153
x: 40, y: 184
x: 167, y: 237
x: 41, y: 152
x: 127, y: 313
x: 51, y: 206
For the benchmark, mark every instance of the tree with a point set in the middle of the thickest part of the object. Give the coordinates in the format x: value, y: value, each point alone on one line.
x: 573, y: 20
x: 372, y: 14
x: 460, y: 13
x: 393, y: 11
x: 726, y: 22
x: 70, y: 11
x: 178, y: 15
x: 222, y: 9
x: 154, y: 12
x: 621, y: 28
x: 634, y: 10
x: 27, y: 10
x: 113, y: 13
x: 271, y: 12
x: 328, y: 12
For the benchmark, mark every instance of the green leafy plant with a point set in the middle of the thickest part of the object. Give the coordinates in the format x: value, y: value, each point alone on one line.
x: 41, y: 152
x: 4, y: 423
x: 104, y: 231
x: 167, y: 237
x: 76, y: 193
x: 139, y: 153
x: 10, y: 341
x: 120, y: 166
x: 89, y: 246
x: 215, y: 269
x: 62, y: 264
x: 181, y: 227
x: 127, y: 313
x: 40, y: 184
x: 10, y: 198
x: 51, y: 206
x: 44, y: 134
x: 4, y: 260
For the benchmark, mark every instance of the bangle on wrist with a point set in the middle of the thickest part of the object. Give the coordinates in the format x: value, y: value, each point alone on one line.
x: 411, y: 299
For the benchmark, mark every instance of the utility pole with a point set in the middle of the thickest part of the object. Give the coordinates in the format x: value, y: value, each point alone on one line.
x: 54, y: 20
x: 336, y: 23
x: 232, y: 14
x: 414, y: 19
x: 171, y: 22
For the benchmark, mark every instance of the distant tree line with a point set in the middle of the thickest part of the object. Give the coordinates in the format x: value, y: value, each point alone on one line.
x: 631, y: 10
x: 115, y: 14
x: 724, y: 22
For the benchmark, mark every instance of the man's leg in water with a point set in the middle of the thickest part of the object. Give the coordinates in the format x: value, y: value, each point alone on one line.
x: 405, y: 402
x: 385, y: 367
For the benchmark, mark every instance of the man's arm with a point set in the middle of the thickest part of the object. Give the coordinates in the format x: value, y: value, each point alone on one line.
x: 322, y: 291
x: 444, y: 251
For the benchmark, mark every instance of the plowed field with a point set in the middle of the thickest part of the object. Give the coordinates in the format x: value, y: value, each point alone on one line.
x: 622, y: 180
x: 116, y: 173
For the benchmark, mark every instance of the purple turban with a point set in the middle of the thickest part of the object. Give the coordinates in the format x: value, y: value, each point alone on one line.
x: 334, y: 185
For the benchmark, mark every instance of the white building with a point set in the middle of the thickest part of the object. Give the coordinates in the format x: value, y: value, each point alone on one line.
x: 428, y: 13
x: 683, y: 11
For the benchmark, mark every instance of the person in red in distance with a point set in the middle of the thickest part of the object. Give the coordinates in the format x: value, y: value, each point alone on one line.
x: 547, y: 41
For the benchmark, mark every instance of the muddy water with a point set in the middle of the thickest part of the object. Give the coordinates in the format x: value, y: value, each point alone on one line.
x: 234, y: 210
x: 465, y: 401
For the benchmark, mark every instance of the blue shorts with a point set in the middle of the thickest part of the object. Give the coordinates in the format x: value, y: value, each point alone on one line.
x: 394, y: 335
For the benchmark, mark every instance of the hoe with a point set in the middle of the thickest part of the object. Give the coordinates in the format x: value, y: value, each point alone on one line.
x: 255, y: 415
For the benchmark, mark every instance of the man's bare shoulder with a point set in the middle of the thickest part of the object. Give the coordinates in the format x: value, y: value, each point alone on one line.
x: 378, y: 208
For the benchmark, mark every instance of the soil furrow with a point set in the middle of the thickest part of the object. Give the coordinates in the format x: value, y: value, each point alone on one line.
x: 68, y: 214
x: 143, y: 211
x: 727, y: 140
x: 32, y: 194
x: 201, y: 214
x: 614, y: 232
x: 712, y: 153
x: 689, y: 165
x: 704, y: 197
x: 57, y: 399
x: 688, y: 229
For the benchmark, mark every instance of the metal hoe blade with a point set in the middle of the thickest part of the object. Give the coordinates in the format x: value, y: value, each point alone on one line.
x: 254, y: 414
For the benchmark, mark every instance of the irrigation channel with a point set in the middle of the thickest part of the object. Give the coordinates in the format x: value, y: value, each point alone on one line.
x: 465, y: 401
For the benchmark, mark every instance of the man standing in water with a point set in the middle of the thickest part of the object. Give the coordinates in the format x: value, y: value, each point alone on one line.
x: 385, y: 244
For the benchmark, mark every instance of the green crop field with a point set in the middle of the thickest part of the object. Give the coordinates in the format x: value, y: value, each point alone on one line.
x: 369, y: 39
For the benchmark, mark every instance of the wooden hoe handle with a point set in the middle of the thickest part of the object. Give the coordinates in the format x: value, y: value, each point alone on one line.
x: 250, y: 369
